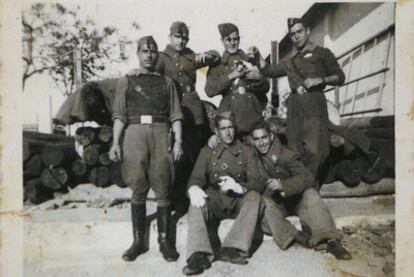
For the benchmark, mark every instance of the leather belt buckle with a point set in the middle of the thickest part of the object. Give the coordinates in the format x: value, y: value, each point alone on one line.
x: 146, y: 119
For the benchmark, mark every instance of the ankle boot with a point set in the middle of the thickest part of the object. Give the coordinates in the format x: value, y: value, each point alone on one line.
x: 138, y: 213
x: 167, y: 248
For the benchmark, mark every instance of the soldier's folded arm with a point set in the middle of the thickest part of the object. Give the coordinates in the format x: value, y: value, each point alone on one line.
x: 274, y: 70
x: 213, y: 59
x: 217, y: 82
x: 335, y: 75
x: 301, y: 177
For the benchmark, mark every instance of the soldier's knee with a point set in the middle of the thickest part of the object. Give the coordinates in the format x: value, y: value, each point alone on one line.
x: 253, y: 196
x: 311, y: 194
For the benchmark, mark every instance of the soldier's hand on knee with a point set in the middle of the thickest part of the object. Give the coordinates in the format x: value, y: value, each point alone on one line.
x: 228, y: 183
x: 197, y: 196
x: 115, y: 153
x: 177, y: 151
x: 274, y: 185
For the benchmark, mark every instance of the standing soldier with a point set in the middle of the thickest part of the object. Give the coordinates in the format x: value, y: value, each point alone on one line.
x: 145, y: 106
x: 289, y: 191
x: 309, y: 71
x: 180, y: 64
x: 243, y: 88
x: 222, y: 185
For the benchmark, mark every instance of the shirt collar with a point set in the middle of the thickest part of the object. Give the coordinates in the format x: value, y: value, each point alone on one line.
x: 138, y: 72
x: 226, y: 56
x: 234, y: 149
x: 309, y: 47
x: 170, y: 51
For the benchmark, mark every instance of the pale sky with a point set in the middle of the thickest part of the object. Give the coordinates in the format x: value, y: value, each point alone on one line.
x: 259, y: 22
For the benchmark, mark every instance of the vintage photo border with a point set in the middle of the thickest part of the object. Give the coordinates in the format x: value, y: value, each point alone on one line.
x: 11, y: 206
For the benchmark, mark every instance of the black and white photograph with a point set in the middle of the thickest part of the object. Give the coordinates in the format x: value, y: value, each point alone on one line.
x: 211, y: 138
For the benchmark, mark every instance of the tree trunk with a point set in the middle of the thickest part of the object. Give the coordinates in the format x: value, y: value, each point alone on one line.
x: 46, y: 137
x: 59, y: 154
x: 369, y: 122
x: 91, y: 154
x: 55, y: 178
x: 105, y: 133
x: 380, y: 133
x: 79, y: 167
x: 85, y: 135
x: 26, y: 150
x: 33, y: 167
x: 35, y: 192
x: 116, y: 175
x: 104, y: 159
x: 99, y: 176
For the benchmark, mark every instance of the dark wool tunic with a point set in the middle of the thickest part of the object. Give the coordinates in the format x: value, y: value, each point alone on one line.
x: 182, y: 68
x: 248, y: 107
x: 307, y: 121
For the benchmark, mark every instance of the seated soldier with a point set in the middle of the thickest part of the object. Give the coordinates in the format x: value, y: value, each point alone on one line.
x: 222, y: 186
x: 289, y: 191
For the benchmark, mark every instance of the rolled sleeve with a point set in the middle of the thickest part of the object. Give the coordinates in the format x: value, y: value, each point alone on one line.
x: 174, y: 103
x: 274, y: 70
x: 119, y: 105
x: 331, y: 65
x: 217, y: 81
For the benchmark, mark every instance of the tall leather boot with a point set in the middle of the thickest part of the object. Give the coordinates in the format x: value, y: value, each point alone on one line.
x: 168, y: 250
x: 138, y: 212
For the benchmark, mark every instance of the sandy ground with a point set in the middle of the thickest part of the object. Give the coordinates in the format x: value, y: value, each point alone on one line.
x: 79, y: 239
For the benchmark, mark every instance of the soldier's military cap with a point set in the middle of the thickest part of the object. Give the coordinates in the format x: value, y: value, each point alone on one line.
x: 224, y: 115
x: 147, y: 40
x: 179, y: 27
x: 226, y: 29
x: 294, y: 20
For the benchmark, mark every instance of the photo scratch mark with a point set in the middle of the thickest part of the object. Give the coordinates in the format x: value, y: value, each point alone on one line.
x: 411, y: 113
x: 16, y: 213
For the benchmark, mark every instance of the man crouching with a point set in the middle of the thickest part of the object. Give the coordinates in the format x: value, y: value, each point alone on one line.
x: 221, y: 187
x: 289, y: 192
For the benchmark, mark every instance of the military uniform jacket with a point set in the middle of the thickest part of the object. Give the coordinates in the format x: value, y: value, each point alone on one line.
x: 312, y: 62
x: 284, y: 164
x: 182, y: 67
x: 237, y: 161
x: 248, y: 107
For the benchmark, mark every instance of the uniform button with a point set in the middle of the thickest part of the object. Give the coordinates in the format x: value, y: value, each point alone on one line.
x: 179, y: 73
x: 215, y: 175
x: 181, y: 84
x: 240, y: 162
x: 249, y: 96
x: 238, y: 175
x: 232, y: 97
x: 176, y: 64
x: 277, y: 171
x: 214, y: 163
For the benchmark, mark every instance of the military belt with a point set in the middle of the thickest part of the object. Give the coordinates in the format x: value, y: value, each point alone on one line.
x: 147, y: 119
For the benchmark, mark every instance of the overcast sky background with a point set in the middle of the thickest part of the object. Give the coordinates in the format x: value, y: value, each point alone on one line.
x: 259, y: 22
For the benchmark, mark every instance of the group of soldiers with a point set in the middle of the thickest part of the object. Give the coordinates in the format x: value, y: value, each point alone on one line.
x: 243, y: 172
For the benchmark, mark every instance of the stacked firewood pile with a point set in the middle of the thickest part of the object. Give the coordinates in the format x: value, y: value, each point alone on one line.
x: 52, y: 164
